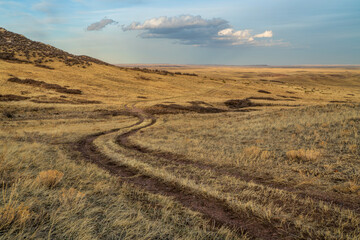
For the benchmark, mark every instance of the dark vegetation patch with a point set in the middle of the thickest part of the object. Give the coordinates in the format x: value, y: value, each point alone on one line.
x: 8, y: 114
x: 290, y: 92
x: 143, y: 97
x: 11, y: 97
x: 337, y: 76
x: 176, y: 108
x: 110, y: 113
x: 161, y: 72
x: 277, y: 81
x: 240, y: 103
x: 329, y: 76
x: 186, y: 74
x: 263, y: 91
x: 334, y: 101
x: 7, y: 55
x: 198, y: 103
x: 44, y: 66
x: 65, y: 101
x: 293, y: 97
x: 144, y: 78
x: 45, y: 85
x: 244, y: 103
x: 10, y: 56
x: 263, y: 98
x: 268, y: 74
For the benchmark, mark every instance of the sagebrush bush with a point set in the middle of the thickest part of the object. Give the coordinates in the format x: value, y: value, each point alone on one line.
x: 252, y: 151
x: 49, y: 178
x: 304, y: 155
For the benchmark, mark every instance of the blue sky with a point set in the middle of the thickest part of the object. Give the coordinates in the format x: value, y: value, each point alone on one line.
x: 275, y: 32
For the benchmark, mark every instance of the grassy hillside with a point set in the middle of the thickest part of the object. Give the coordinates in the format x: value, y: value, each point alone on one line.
x: 90, y: 150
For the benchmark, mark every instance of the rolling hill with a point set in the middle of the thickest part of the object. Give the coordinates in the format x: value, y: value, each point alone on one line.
x: 90, y: 150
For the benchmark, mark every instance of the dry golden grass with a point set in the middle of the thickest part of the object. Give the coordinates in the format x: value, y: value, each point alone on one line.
x: 267, y: 163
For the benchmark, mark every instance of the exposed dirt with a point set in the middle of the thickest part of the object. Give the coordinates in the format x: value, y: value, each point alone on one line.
x: 45, y: 85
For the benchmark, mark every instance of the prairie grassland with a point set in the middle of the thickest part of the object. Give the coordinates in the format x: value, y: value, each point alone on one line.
x: 50, y: 192
x: 288, y: 161
x: 234, y: 158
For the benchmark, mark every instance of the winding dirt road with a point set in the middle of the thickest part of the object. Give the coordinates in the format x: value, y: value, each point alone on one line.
x: 213, y: 209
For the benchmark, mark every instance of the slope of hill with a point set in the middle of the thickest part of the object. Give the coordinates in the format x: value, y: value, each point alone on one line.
x: 89, y: 150
x: 16, y: 47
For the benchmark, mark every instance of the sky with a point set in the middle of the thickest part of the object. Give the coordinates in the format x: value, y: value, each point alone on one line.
x: 226, y: 32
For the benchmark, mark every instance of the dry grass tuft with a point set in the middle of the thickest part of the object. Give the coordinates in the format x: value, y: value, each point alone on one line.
x: 10, y: 214
x: 49, y: 178
x: 265, y: 155
x: 348, y: 188
x: 303, y: 155
x: 353, y: 148
x: 252, y: 152
x: 71, y: 197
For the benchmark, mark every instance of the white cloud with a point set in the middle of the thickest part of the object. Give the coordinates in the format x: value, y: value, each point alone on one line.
x: 97, y: 26
x: 242, y: 36
x: 183, y: 21
x: 266, y: 34
x: 235, y: 37
x: 197, y: 31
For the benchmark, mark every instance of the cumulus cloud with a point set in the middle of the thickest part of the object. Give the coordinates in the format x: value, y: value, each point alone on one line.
x: 195, y: 30
x: 184, y: 21
x: 266, y: 34
x: 97, y: 26
x: 232, y: 37
x: 186, y: 29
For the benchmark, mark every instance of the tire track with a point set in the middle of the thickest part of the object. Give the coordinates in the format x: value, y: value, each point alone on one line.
x: 230, y: 171
x: 212, y: 209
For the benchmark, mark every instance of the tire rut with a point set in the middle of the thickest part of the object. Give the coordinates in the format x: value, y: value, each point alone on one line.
x: 230, y: 171
x: 212, y: 209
